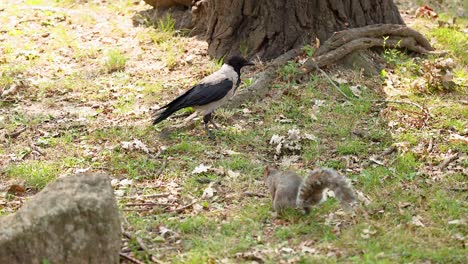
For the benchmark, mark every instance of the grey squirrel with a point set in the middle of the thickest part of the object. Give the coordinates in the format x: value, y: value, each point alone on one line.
x: 290, y: 190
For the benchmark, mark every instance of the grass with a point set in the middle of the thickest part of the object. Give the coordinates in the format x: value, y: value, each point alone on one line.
x: 115, y: 61
x: 35, y: 174
x: 88, y: 92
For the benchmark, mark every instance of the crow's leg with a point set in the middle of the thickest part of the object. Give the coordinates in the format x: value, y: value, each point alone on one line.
x: 206, y: 120
x: 212, y: 122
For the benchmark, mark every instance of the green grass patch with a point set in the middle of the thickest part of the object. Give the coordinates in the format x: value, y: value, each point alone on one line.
x: 115, y: 61
x: 36, y: 174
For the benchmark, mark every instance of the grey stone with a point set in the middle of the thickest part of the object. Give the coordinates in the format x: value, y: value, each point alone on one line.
x: 73, y: 220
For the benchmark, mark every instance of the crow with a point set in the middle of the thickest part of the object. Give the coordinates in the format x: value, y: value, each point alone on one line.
x: 212, y: 92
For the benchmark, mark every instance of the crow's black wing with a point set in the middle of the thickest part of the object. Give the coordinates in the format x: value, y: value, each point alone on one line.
x: 206, y: 93
x: 200, y: 94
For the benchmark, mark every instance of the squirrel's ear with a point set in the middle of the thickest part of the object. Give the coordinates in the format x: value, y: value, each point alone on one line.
x: 266, y: 171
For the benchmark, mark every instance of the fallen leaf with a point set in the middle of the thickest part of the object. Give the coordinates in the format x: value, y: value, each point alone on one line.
x: 310, y: 137
x: 82, y: 170
x: 197, y: 207
x: 233, y: 174
x: 125, y: 182
x: 209, y: 191
x: 119, y: 193
x: 287, y: 250
x: 417, y: 221
x: 308, y: 250
x: 135, y: 145
x: 231, y: 152
x: 16, y: 189
x: 363, y: 198
x: 367, y: 233
x: 200, y: 169
x: 356, y: 90
x: 456, y: 222
x: 167, y: 233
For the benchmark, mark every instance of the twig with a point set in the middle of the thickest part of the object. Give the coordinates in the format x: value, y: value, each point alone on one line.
x: 252, y: 194
x: 142, y: 244
x: 329, y: 79
x: 163, y: 165
x: 178, y: 210
x: 378, y: 162
x: 153, y: 258
x: 459, y: 189
x: 431, y: 145
x: 388, y: 151
x: 156, y: 195
x: 17, y: 133
x: 160, y: 152
x: 35, y: 148
x: 132, y: 259
x: 137, y: 239
x: 447, y: 161
x: 126, y: 234
x: 146, y: 204
x: 424, y: 110
x: 136, y: 209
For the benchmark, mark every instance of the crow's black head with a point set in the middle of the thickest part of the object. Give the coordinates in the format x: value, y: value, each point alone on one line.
x: 237, y: 62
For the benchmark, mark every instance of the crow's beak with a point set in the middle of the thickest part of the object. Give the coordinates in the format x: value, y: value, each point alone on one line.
x: 249, y: 63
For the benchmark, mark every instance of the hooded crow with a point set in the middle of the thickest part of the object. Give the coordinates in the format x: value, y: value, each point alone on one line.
x: 212, y: 92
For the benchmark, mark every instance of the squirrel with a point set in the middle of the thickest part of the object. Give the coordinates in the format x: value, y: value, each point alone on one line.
x: 290, y: 190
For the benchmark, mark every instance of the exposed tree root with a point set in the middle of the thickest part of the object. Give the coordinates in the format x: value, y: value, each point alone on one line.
x: 345, y: 42
x: 373, y: 31
x: 261, y: 85
x: 334, y: 49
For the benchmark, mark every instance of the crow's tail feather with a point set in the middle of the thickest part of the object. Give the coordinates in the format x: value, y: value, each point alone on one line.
x: 174, y: 106
x: 163, y: 115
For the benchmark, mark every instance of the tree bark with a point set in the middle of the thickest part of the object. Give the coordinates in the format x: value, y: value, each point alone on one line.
x: 268, y: 28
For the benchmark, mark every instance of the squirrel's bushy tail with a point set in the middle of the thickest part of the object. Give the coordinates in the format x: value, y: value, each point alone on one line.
x: 311, y: 190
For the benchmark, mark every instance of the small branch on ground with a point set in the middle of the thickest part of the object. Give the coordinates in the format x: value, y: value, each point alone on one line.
x: 141, y: 197
x: 459, y: 189
x: 137, y: 239
x: 146, y: 204
x: 163, y: 165
x: 17, y: 133
x: 448, y: 160
x: 131, y: 259
x: 180, y: 209
x: 252, y: 194
x: 330, y: 80
x: 388, y: 151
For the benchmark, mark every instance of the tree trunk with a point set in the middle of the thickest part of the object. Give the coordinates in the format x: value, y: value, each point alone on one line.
x: 268, y: 28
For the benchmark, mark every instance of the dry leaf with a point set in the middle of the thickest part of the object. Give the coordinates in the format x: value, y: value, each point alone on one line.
x: 417, y: 221
x: 209, y: 191
x: 200, y: 169
x: 16, y: 189
x: 82, y: 170
x: 356, y: 90
x: 233, y: 174
x: 119, y: 193
x: 457, y: 222
x: 125, y: 182
x: 167, y: 233
x: 310, y: 137
x: 308, y: 250
x: 363, y: 198
x: 135, y: 145
x: 197, y: 208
